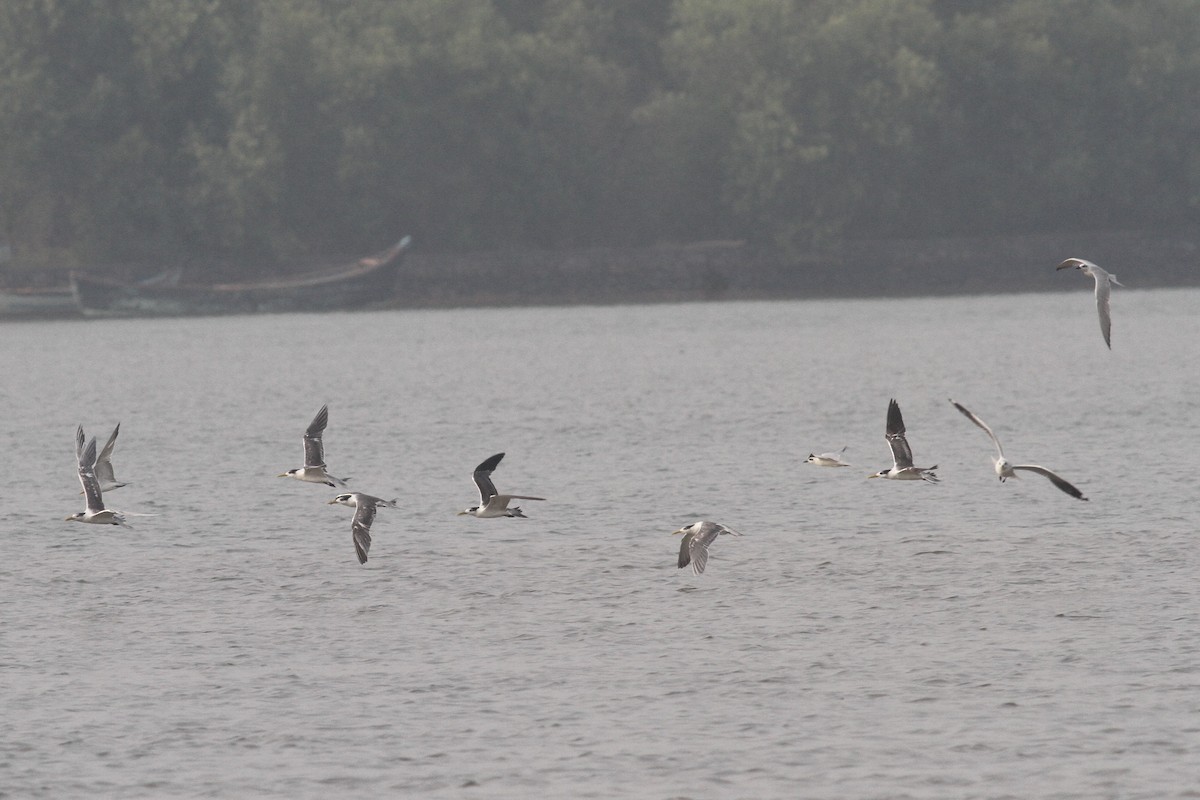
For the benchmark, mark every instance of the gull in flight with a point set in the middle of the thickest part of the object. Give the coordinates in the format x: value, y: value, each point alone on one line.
x: 490, y: 503
x: 313, y: 470
x: 696, y: 539
x: 827, y: 459
x: 1104, y: 281
x: 95, y: 512
x: 364, y: 506
x: 1005, y: 470
x: 902, y: 459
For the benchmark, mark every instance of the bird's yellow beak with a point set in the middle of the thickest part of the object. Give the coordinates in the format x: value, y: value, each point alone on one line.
x: 331, y: 502
x: 461, y: 514
x: 676, y: 533
x: 873, y: 475
x: 281, y: 475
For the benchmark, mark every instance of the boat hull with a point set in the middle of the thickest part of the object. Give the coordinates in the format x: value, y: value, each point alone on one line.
x: 371, y: 279
x: 37, y: 303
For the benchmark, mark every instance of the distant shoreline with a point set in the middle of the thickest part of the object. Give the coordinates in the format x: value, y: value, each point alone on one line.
x: 733, y: 270
x: 730, y: 270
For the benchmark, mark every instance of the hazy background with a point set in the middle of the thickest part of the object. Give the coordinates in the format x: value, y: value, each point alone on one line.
x: 255, y: 133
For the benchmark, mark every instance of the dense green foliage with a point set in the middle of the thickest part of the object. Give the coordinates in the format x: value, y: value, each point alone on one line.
x: 258, y: 129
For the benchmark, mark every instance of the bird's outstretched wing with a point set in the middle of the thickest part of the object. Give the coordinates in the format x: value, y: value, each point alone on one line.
x: 694, y: 550
x: 694, y: 547
x: 1103, y: 291
x: 87, y: 477
x: 364, y: 515
x: 901, y: 452
x: 314, y: 450
x: 483, y: 478
x: 104, y: 467
x: 969, y: 415
x: 1057, y: 481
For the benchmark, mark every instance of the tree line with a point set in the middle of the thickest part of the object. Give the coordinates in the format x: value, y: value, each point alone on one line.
x: 258, y: 130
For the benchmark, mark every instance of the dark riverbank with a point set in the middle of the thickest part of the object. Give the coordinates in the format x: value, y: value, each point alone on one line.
x: 731, y: 270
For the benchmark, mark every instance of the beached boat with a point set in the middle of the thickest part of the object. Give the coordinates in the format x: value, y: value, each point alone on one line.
x: 368, y: 280
x: 26, y: 303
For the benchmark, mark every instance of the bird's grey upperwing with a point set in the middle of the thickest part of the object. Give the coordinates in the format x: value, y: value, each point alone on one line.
x: 1057, y: 481
x: 314, y: 450
x: 79, y: 442
x: 87, y: 477
x: 483, y: 478
x: 901, y: 452
x: 895, y: 422
x: 969, y: 415
x: 364, y: 515
x: 317, y: 426
x: 1103, y: 290
x: 1074, y: 263
x: 487, y: 489
x: 104, y: 467
x: 107, y: 451
x: 709, y: 532
x: 698, y: 542
x: 698, y: 553
x: 685, y: 550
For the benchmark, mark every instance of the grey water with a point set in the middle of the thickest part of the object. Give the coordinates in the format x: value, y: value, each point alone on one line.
x: 863, y: 639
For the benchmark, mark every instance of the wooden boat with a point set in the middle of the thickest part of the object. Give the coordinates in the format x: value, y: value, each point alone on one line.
x: 27, y: 303
x: 352, y: 286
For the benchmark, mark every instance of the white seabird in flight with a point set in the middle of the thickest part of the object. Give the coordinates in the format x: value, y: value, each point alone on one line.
x: 827, y: 459
x: 696, y: 539
x: 492, y: 504
x: 313, y: 470
x: 902, y: 459
x: 1005, y: 470
x: 364, y: 506
x: 1104, y: 281
x: 95, y: 512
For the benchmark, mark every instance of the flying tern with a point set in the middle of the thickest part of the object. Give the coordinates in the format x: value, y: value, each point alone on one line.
x: 364, y: 506
x: 314, y: 470
x: 492, y: 504
x: 827, y: 459
x: 95, y: 512
x: 1104, y: 281
x: 696, y: 540
x: 902, y: 460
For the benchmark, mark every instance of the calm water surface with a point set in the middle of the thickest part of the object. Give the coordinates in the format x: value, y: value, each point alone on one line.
x: 864, y: 639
